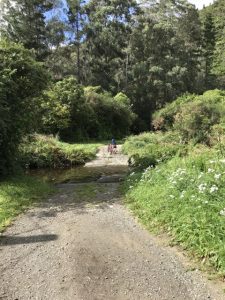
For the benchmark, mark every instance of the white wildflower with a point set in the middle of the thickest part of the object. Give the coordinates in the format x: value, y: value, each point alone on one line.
x: 210, y: 170
x: 222, y: 212
x: 202, y: 187
x: 172, y: 196
x: 200, y: 175
x: 213, y: 189
x: 222, y: 160
x: 217, y: 176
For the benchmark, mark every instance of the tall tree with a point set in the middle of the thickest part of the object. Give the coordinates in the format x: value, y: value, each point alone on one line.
x: 24, y: 21
x: 165, y: 51
x: 108, y: 33
x: 216, y: 58
x: 209, y: 41
x: 76, y: 19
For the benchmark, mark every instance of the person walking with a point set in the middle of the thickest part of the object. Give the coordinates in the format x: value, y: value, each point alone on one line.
x: 114, y: 146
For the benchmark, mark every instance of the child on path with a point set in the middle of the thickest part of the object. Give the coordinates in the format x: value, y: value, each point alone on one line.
x: 112, y: 147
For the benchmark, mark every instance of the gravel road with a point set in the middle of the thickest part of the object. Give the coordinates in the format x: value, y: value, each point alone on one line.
x: 83, y: 244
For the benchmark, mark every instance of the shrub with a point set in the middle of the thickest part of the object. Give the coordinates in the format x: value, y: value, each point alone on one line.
x: 110, y: 116
x: 65, y: 110
x: 77, y: 113
x: 164, y: 119
x: 194, y: 121
x: 40, y: 151
x: 149, y: 149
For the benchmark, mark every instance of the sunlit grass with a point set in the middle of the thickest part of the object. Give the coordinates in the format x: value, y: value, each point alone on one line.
x: 17, y: 194
x: 184, y: 197
x: 48, y: 152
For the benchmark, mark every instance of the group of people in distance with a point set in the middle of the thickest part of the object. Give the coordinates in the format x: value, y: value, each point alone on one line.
x: 112, y: 147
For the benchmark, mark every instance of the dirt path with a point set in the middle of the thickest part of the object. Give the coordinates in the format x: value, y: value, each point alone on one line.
x: 83, y: 244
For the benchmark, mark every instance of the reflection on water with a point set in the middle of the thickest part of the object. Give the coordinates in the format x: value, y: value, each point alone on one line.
x: 77, y: 174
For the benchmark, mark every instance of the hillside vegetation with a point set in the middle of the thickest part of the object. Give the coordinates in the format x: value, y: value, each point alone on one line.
x: 178, y: 183
x: 84, y: 70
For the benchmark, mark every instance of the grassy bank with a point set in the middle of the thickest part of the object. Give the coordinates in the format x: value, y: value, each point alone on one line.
x: 182, y: 195
x: 149, y: 149
x: 47, y: 152
x: 17, y: 194
x: 178, y: 183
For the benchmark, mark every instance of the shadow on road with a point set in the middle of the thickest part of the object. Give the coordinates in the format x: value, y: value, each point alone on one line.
x: 18, y: 240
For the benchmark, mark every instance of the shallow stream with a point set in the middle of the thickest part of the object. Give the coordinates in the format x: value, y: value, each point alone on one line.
x: 78, y: 174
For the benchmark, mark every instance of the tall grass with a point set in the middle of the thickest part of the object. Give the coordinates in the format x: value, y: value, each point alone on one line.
x: 47, y: 152
x: 152, y: 148
x: 184, y: 196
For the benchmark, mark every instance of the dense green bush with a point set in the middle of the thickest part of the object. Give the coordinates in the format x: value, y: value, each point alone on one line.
x: 21, y: 81
x: 163, y: 119
x: 111, y: 116
x: 65, y: 110
x: 41, y: 151
x: 214, y: 100
x: 195, y: 120
x: 77, y: 113
x: 149, y: 149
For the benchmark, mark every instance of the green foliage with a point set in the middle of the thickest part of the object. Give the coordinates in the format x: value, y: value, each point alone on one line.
x: 79, y: 113
x: 22, y: 80
x: 160, y: 48
x: 47, y: 152
x: 24, y: 22
x: 108, y: 31
x: 181, y: 189
x: 219, y: 58
x: 163, y: 119
x: 65, y: 110
x: 195, y: 120
x: 215, y: 39
x: 192, y: 116
x: 17, y: 194
x: 150, y: 149
x: 110, y: 116
x: 185, y: 197
x: 122, y: 99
